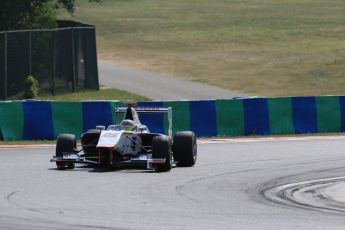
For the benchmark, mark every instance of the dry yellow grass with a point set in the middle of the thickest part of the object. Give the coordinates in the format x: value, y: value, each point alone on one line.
x: 268, y: 47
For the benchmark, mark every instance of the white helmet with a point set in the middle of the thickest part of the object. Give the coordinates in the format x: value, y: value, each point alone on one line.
x: 127, y: 125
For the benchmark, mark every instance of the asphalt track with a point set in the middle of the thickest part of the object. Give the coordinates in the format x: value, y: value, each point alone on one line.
x: 156, y: 86
x: 293, y: 183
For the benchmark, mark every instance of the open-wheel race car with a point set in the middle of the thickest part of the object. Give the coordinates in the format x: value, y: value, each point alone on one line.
x: 128, y: 143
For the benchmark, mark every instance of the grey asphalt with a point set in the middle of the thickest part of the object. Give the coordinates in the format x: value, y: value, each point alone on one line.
x: 223, y: 191
x: 156, y: 86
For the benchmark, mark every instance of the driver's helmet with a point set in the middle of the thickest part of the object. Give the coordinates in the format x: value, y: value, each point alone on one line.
x: 127, y: 125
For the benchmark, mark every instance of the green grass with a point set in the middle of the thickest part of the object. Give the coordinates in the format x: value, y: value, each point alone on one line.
x: 266, y: 47
x: 102, y: 94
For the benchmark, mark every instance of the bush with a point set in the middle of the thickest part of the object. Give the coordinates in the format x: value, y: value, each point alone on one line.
x: 31, y: 87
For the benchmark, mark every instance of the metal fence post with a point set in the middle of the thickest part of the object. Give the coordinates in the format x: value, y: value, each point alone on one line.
x: 5, y: 68
x: 54, y: 62
x: 73, y: 63
x: 30, y: 54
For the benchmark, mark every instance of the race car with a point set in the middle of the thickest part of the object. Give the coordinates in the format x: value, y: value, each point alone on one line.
x: 128, y: 143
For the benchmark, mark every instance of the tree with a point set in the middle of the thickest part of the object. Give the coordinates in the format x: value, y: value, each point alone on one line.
x: 31, y: 88
x: 69, y: 4
x: 32, y: 14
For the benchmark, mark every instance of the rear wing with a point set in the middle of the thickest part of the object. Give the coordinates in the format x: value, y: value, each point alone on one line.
x: 153, y: 110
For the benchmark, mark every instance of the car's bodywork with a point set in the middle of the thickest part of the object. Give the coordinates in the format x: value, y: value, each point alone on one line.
x: 118, y: 145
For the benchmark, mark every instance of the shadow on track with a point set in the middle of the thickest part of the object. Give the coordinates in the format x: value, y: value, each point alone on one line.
x: 107, y: 169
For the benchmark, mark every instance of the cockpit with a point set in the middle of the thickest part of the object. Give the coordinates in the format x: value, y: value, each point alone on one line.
x: 130, y: 121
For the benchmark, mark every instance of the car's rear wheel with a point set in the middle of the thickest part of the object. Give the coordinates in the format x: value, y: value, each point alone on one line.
x: 161, y: 149
x: 185, y: 148
x: 65, y: 143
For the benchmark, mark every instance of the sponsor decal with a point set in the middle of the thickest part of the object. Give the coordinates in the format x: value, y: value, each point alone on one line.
x: 70, y: 156
x: 109, y: 138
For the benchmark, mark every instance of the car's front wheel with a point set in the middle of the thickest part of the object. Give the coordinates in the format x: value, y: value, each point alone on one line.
x: 185, y: 148
x: 161, y: 149
x: 65, y: 143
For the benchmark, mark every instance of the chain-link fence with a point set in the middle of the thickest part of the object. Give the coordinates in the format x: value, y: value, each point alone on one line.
x: 62, y: 60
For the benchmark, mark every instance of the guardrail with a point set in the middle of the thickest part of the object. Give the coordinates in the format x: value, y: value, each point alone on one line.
x: 33, y: 120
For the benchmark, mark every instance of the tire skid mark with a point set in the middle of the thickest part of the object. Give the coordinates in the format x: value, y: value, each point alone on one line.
x: 31, y: 223
x: 9, y: 222
x: 10, y: 199
x: 307, y: 195
x: 179, y: 189
x: 316, y: 161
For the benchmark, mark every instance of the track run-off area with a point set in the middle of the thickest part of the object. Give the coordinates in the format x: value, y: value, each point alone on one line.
x: 245, y: 183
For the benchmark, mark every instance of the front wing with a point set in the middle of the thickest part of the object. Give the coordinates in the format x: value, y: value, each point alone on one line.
x: 145, y: 160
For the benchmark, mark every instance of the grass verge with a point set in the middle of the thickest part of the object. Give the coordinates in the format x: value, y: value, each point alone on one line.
x: 102, y: 94
x: 268, y: 47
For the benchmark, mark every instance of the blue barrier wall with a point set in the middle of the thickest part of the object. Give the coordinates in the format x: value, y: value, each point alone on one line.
x: 230, y: 117
x: 96, y: 113
x: 155, y: 122
x: 38, y: 122
x: 342, y: 113
x: 256, y: 119
x: 203, y: 118
x: 304, y: 114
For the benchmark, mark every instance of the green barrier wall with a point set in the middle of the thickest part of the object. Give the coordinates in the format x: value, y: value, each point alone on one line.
x: 113, y: 105
x: 67, y: 118
x: 328, y: 114
x: 181, y: 115
x: 280, y: 115
x: 230, y: 117
x: 11, y: 120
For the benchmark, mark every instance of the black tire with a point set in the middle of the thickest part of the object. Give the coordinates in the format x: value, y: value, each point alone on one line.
x: 161, y: 148
x: 65, y: 143
x: 185, y: 149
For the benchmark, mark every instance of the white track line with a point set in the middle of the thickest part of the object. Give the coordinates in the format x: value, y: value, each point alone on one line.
x: 206, y: 141
x: 267, y: 139
x: 45, y: 146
